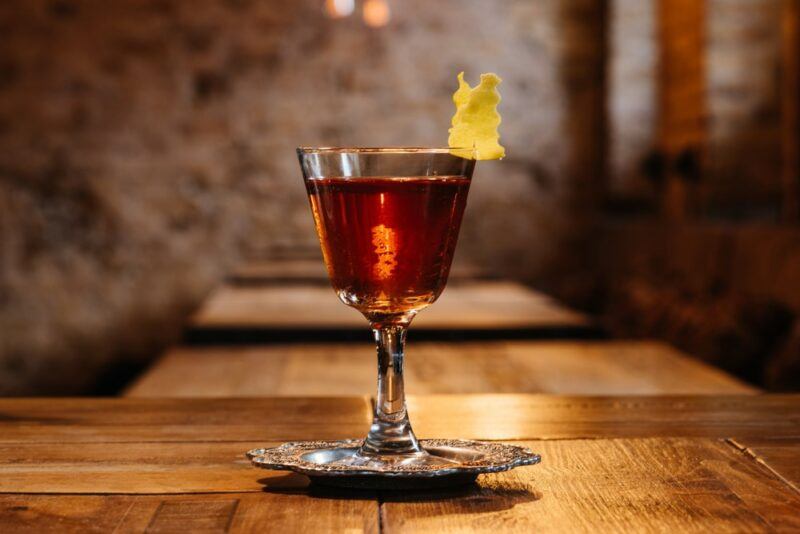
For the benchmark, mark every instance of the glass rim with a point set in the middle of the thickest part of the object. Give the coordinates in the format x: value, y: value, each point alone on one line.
x: 380, y: 150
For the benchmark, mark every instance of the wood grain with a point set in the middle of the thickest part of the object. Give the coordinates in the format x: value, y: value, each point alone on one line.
x: 140, y: 467
x: 80, y: 420
x: 631, y: 485
x: 277, y: 511
x: 477, y: 305
x: 495, y: 416
x: 560, y: 367
x: 503, y: 417
x: 678, y: 484
x: 780, y: 455
x: 679, y: 463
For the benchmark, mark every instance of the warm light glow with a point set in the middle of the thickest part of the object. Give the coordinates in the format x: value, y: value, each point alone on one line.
x: 339, y: 8
x: 376, y: 13
x: 384, y: 239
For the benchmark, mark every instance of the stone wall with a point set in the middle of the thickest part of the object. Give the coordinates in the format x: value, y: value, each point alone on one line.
x: 147, y: 145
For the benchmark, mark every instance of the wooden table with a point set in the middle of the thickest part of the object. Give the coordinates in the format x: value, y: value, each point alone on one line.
x: 498, y: 309
x: 561, y: 367
x: 681, y: 464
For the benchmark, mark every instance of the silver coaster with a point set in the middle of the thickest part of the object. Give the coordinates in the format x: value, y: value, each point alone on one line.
x: 447, y: 462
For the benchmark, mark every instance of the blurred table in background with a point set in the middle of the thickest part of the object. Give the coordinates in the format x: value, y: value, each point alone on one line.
x: 268, y: 312
x: 277, y: 328
x: 324, y: 369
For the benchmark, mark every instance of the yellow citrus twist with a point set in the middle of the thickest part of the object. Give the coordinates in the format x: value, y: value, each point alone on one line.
x: 476, y: 119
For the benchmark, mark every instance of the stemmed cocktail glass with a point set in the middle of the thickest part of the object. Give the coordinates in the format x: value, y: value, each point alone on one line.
x: 388, y: 221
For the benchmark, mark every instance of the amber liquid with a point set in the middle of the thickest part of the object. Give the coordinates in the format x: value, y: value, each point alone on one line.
x: 388, y: 242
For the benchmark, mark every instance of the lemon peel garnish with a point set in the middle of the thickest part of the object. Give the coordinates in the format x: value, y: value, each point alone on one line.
x: 476, y: 119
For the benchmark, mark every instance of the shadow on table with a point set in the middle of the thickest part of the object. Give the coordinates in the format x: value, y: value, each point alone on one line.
x: 470, y: 498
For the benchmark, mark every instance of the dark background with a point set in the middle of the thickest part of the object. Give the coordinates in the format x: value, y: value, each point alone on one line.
x: 147, y: 147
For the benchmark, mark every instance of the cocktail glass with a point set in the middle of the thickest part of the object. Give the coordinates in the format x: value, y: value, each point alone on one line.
x: 388, y: 221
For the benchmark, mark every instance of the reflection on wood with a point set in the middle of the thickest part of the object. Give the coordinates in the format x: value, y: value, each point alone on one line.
x: 471, y: 416
x: 574, y: 367
x: 79, y: 420
x: 560, y: 417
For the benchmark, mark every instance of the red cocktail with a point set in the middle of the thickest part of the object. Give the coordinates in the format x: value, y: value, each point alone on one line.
x: 388, y: 241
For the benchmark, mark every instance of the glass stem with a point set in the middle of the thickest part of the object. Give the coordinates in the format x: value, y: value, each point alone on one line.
x: 390, y: 432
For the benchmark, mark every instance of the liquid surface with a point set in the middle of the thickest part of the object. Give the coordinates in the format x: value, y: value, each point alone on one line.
x: 388, y: 242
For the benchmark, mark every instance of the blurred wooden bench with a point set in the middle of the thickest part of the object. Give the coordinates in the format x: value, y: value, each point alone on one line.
x: 560, y: 367
x: 235, y: 314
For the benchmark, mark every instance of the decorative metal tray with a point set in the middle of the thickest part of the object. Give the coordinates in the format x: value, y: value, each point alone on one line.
x: 448, y: 462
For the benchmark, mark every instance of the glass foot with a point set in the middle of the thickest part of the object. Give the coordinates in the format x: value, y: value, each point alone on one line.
x: 387, y: 438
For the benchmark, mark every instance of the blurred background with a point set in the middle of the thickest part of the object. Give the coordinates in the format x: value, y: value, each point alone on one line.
x: 147, y: 153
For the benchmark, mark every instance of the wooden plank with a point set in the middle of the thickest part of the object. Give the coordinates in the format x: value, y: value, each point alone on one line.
x: 339, y: 369
x: 503, y: 417
x: 782, y: 456
x: 286, y: 511
x: 127, y: 468
x: 617, y: 484
x: 560, y: 367
x: 604, y: 484
x: 81, y: 420
x: 482, y: 306
x: 38, y: 514
x: 639, y: 485
x: 498, y: 416
x: 664, y: 479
